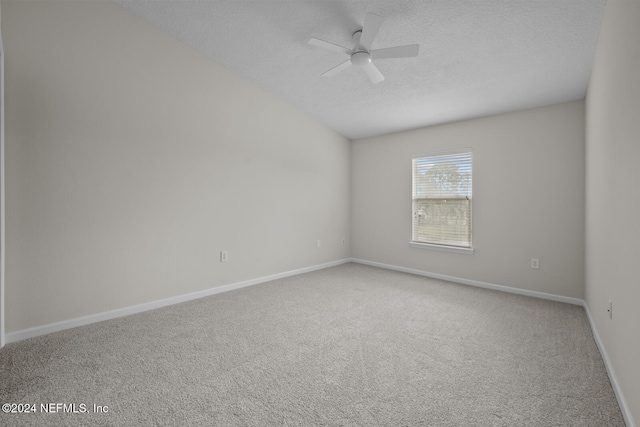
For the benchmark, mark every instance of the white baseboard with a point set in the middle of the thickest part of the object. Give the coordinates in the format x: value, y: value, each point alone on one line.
x: 502, y: 288
x: 626, y: 413
x: 139, y: 308
x: 624, y: 407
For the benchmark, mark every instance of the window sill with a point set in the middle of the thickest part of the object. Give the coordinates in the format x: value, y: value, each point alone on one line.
x: 468, y: 251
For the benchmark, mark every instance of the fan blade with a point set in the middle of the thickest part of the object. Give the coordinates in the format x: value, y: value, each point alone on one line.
x: 372, y: 23
x: 335, y: 70
x: 396, y: 52
x: 330, y: 46
x: 374, y: 74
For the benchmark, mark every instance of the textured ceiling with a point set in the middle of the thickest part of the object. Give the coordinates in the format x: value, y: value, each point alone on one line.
x: 477, y: 57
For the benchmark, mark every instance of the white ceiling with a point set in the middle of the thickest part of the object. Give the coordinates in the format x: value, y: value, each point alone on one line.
x: 477, y: 57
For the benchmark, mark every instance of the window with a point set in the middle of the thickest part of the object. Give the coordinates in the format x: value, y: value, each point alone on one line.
x: 442, y: 200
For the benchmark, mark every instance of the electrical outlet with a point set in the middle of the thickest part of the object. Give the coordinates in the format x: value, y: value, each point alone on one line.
x: 224, y: 256
x: 535, y: 263
x: 344, y: 240
x: 610, y: 309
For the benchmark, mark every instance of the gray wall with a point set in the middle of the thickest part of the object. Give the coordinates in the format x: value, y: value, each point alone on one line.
x: 133, y: 160
x: 528, y: 199
x: 613, y: 194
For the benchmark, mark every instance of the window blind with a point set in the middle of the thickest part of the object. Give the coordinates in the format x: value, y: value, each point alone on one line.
x: 442, y: 194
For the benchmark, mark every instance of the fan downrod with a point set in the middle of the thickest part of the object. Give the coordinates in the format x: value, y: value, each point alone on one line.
x: 360, y: 57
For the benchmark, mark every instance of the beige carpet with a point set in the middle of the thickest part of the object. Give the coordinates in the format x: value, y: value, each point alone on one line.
x: 346, y: 346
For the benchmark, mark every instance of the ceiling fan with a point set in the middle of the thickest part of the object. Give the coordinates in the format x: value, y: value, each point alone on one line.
x: 361, y: 55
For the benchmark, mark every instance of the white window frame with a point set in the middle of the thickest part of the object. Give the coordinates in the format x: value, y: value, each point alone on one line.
x: 435, y: 246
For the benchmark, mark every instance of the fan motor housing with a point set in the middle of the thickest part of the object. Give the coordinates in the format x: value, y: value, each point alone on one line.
x: 360, y: 58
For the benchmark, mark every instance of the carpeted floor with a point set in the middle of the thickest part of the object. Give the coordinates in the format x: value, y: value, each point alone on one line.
x: 351, y: 345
